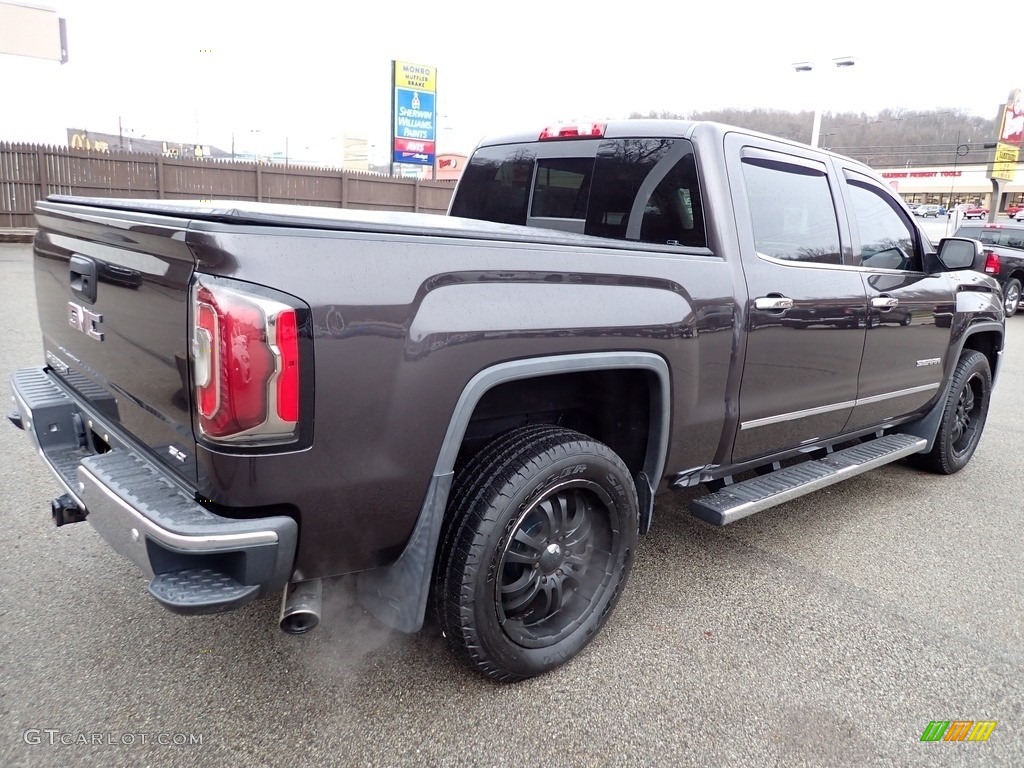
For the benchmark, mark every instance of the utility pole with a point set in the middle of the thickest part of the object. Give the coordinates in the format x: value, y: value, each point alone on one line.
x: 997, y: 186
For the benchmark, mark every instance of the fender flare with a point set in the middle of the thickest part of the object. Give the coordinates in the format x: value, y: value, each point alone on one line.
x: 928, y: 425
x: 397, y: 594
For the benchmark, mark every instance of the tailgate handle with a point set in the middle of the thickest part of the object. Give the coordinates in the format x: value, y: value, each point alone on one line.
x: 83, y: 278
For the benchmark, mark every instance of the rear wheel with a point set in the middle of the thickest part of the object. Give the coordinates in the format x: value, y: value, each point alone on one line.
x: 1011, y: 296
x: 540, y: 540
x: 963, y: 417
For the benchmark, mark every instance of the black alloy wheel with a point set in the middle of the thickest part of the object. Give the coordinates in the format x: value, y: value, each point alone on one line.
x: 557, y: 560
x: 538, y: 544
x: 963, y: 417
x: 967, y: 415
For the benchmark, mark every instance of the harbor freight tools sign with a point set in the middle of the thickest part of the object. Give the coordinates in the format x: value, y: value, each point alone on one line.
x: 413, y: 113
x: 1011, y: 131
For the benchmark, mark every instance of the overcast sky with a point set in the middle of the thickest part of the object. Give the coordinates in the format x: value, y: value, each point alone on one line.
x: 313, y: 71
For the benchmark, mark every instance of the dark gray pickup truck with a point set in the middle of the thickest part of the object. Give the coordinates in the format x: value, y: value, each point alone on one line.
x: 475, y: 413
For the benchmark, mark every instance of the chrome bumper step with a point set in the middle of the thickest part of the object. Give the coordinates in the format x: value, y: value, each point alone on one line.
x: 197, y: 561
x: 735, y: 502
x: 200, y: 590
x: 48, y: 414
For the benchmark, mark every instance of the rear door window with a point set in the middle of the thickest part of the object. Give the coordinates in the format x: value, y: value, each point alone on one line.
x: 792, y: 210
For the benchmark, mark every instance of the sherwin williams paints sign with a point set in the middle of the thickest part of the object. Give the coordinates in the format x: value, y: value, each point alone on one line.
x: 413, y: 113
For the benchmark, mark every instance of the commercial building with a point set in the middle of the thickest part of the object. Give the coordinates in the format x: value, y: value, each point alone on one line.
x: 953, y: 184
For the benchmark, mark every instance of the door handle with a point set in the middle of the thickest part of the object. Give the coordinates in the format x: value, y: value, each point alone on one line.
x: 773, y: 302
x: 884, y: 302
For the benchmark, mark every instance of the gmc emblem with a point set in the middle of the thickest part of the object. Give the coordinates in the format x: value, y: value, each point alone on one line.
x: 82, y: 319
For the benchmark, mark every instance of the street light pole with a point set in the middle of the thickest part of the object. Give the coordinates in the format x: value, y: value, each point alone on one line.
x: 952, y: 215
x: 807, y: 66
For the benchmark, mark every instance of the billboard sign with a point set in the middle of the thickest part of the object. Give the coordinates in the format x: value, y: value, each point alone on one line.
x: 1011, y: 131
x: 413, y: 113
x: 29, y: 30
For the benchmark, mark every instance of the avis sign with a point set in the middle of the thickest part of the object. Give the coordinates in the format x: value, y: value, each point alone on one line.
x: 413, y: 113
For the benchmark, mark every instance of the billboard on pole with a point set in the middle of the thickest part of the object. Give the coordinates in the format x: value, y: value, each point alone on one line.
x: 31, y: 30
x: 1011, y: 131
x: 413, y: 113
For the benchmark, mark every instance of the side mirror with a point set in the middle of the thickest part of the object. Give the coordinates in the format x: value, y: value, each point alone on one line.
x: 960, y: 253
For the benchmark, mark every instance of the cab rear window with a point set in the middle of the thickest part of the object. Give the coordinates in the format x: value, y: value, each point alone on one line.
x: 1006, y: 237
x: 562, y: 188
x: 644, y: 190
x: 495, y: 185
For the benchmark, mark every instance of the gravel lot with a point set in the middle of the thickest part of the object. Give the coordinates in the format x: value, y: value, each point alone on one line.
x: 828, y: 631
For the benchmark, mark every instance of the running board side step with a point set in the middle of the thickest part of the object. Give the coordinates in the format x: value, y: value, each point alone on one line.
x: 735, y: 502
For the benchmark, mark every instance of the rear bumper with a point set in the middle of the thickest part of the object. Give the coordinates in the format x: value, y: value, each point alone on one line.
x: 197, y: 561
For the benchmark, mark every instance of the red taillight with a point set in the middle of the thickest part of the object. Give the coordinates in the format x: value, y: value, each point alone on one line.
x: 245, y: 356
x: 288, y: 377
x: 991, y: 263
x: 204, y: 346
x: 576, y: 131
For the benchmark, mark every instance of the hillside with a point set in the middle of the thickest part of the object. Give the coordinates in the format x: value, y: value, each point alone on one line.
x: 894, y: 137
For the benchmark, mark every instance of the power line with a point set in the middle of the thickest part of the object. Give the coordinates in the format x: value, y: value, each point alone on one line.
x: 905, y: 147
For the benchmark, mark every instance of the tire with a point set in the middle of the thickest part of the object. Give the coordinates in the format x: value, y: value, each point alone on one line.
x: 539, y: 542
x: 963, y: 417
x: 1011, y: 296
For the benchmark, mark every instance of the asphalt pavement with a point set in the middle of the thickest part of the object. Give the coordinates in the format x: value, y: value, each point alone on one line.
x: 940, y: 227
x: 829, y: 631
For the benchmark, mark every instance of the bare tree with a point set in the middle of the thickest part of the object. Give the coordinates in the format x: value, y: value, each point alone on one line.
x: 893, y: 137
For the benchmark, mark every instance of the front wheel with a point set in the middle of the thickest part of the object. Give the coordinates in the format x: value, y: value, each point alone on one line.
x: 1011, y: 296
x: 541, y: 534
x: 963, y: 417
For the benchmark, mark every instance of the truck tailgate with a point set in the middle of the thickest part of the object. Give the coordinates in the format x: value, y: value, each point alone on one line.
x: 112, y: 290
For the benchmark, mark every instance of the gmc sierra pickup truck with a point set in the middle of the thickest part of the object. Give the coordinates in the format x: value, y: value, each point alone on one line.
x: 475, y: 413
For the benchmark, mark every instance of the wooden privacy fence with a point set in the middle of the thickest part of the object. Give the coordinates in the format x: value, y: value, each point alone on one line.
x: 30, y: 172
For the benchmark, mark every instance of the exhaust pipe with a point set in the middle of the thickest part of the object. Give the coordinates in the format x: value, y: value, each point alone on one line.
x: 300, y: 606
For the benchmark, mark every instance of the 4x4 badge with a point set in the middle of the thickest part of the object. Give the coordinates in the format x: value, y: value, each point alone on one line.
x: 84, y: 320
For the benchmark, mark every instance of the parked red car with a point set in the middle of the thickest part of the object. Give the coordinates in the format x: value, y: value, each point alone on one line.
x: 1014, y: 208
